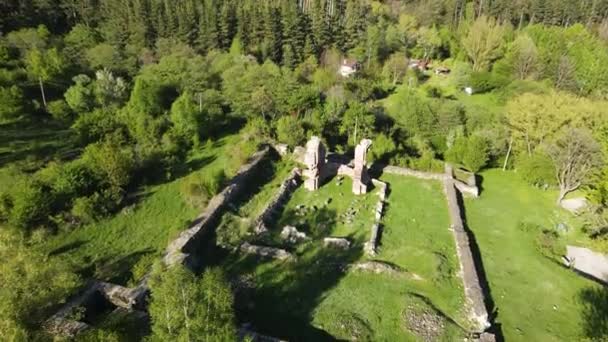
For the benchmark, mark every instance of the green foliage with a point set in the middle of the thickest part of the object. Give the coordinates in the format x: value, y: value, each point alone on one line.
x: 60, y: 110
x: 31, y: 205
x: 536, y: 169
x: 32, y: 283
x: 184, y: 307
x: 200, y: 188
x: 111, y: 162
x: 484, y: 42
x: 11, y: 102
x: 357, y: 123
x: 382, y: 148
x: 471, y: 152
x: 80, y: 96
x: 484, y: 81
x: 290, y: 131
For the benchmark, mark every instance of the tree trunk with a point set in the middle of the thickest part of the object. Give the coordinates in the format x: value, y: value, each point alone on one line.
x: 42, y: 91
x: 562, y: 193
x: 504, y: 166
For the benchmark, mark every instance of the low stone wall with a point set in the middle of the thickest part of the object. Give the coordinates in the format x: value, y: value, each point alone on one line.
x: 266, y: 252
x: 374, y: 240
x: 180, y: 249
x: 288, y: 186
x: 94, y: 298
x: 403, y: 171
x: 472, y: 284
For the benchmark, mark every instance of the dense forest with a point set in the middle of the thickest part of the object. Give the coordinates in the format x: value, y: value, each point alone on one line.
x: 142, y: 85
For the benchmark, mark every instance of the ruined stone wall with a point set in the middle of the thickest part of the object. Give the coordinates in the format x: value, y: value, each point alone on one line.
x: 288, y: 186
x: 181, y: 248
x: 374, y: 240
x: 403, y: 171
x: 472, y: 284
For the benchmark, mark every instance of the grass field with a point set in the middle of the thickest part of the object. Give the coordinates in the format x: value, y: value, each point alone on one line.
x: 537, y: 299
x: 317, y: 298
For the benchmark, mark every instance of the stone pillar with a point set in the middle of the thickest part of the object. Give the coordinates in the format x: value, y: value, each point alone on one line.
x: 315, y: 161
x: 361, y: 178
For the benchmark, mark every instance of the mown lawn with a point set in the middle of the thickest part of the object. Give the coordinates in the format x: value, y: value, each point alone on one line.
x: 537, y: 299
x: 318, y: 298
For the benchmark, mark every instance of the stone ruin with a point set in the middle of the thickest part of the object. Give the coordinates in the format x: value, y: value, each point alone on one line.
x: 361, y: 178
x: 314, y: 160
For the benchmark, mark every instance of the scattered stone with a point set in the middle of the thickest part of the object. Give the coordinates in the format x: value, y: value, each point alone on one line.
x: 574, y: 205
x: 291, y: 235
x: 266, y: 252
x: 425, y: 323
x: 562, y: 228
x: 377, y: 267
x: 340, y: 243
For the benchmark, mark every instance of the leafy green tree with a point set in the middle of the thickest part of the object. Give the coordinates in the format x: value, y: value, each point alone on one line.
x: 429, y: 40
x: 44, y: 65
x: 357, y: 123
x: 80, y: 96
x: 476, y: 155
x: 523, y: 57
x: 395, y: 68
x: 484, y: 42
x: 185, y: 308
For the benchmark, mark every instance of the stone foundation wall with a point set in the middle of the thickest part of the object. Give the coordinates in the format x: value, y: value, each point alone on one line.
x: 374, y: 240
x: 287, y: 188
x: 472, y: 285
x: 403, y: 171
x: 180, y: 249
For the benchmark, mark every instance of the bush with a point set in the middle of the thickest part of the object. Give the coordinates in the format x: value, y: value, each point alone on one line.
x: 89, y: 209
x: 200, y: 188
x: 549, y: 245
x: 536, y: 169
x: 382, y: 148
x: 471, y: 152
x: 482, y: 82
x: 31, y: 205
x: 290, y: 131
x: 60, y: 110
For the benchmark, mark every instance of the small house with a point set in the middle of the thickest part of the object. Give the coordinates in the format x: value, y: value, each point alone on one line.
x: 349, y: 67
x: 420, y: 64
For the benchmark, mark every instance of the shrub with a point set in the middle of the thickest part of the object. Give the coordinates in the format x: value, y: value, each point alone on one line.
x: 59, y: 110
x: 31, y: 205
x: 548, y: 244
x: 88, y: 209
x: 482, y: 82
x: 199, y: 189
x: 536, y: 169
x: 476, y: 154
x: 290, y: 131
x: 382, y: 148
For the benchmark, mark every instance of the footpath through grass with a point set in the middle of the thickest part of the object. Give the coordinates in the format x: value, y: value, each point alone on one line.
x: 537, y: 299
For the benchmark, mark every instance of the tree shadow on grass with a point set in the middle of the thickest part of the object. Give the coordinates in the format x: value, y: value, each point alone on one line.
x: 595, y: 312
x: 284, y: 295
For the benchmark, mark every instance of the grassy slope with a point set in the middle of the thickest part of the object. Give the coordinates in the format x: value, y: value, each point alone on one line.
x: 537, y: 299
x: 110, y: 248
